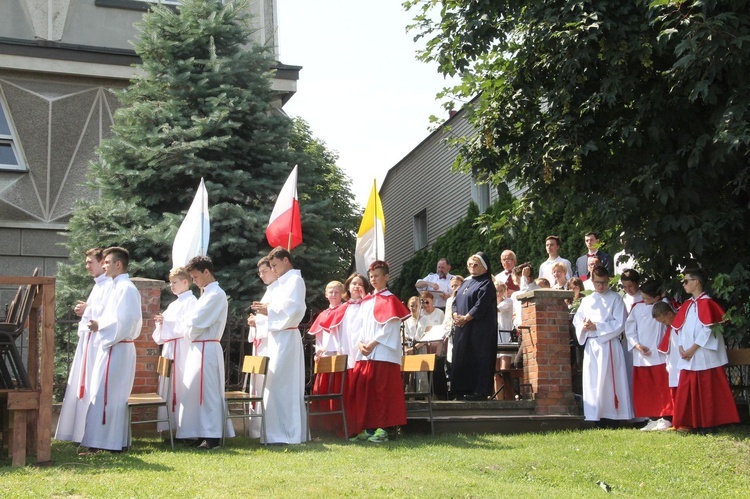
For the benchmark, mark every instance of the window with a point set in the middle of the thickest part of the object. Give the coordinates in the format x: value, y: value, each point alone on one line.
x: 480, y: 191
x: 420, y: 230
x: 10, y: 159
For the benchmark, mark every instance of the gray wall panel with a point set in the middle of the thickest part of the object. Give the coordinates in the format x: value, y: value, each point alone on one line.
x: 10, y: 241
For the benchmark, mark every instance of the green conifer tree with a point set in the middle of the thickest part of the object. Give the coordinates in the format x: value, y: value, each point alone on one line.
x: 202, y: 106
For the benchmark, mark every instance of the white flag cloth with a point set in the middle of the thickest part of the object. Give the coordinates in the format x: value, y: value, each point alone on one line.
x: 370, y: 238
x: 192, y: 238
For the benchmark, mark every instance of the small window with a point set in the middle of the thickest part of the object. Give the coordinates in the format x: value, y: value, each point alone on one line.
x: 480, y: 191
x: 10, y: 159
x: 420, y: 230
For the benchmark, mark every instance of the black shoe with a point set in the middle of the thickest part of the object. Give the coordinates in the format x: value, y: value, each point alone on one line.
x: 209, y: 443
x: 193, y: 443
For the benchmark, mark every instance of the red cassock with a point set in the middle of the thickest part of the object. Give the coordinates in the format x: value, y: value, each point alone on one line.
x: 376, y: 393
x: 704, y: 398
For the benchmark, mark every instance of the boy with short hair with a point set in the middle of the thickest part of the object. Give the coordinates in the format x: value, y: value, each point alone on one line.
x: 171, y: 332
x: 376, y: 385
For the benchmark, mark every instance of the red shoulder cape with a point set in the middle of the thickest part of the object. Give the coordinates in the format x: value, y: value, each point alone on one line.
x: 323, y: 320
x: 709, y: 312
x: 388, y: 307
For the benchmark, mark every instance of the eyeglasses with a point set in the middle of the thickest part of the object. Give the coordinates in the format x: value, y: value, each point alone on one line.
x: 472, y: 264
x: 425, y: 302
x: 687, y: 280
x: 600, y: 283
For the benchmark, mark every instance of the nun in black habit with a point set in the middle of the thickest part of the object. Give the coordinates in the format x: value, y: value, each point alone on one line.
x: 475, y: 332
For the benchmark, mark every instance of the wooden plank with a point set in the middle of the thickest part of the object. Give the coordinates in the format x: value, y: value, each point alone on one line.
x: 32, y: 368
x: 18, y: 280
x: 19, y: 438
x: 739, y: 357
x: 23, y: 400
x: 46, y: 375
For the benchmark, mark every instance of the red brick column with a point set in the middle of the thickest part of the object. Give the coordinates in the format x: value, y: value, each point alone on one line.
x: 546, y: 350
x: 147, y: 352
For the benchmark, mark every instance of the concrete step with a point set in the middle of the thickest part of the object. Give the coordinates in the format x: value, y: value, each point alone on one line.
x: 483, y: 408
x: 472, y: 424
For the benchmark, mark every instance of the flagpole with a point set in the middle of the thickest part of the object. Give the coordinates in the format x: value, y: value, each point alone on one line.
x: 201, y: 218
x: 375, y: 217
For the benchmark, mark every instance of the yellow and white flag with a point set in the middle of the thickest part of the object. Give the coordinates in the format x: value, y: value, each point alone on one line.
x: 370, y: 238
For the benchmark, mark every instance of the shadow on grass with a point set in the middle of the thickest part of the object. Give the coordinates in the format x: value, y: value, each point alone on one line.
x: 65, y: 455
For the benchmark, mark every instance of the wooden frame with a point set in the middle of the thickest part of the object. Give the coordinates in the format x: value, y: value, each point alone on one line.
x: 31, y: 409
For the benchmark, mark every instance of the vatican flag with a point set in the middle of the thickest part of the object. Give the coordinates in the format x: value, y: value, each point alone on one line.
x: 370, y: 238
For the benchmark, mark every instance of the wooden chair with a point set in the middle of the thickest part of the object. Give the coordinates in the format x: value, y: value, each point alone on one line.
x: 421, y: 364
x: 253, y: 367
x: 329, y: 365
x: 139, y: 400
x: 12, y: 371
x: 738, y: 372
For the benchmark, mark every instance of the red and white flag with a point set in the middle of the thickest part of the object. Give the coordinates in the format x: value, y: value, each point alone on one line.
x: 285, y: 226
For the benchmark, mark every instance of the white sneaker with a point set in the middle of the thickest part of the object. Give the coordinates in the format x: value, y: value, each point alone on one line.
x: 662, y: 424
x: 650, y: 425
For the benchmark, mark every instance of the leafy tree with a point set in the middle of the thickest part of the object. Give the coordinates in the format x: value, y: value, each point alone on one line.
x: 202, y: 106
x: 636, y: 113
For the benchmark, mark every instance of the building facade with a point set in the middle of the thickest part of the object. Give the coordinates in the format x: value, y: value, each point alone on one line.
x: 423, y: 197
x: 59, y: 61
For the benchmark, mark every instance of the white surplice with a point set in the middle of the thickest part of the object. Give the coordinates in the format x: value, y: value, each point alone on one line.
x: 258, y: 336
x: 284, y: 396
x: 349, y: 331
x: 172, y: 334
x: 114, y: 367
x: 606, y: 392
x: 201, y: 408
x: 72, y: 420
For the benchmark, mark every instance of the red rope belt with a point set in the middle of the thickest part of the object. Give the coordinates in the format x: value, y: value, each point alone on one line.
x: 612, y: 367
x: 106, y: 379
x: 203, y: 350
x: 82, y: 387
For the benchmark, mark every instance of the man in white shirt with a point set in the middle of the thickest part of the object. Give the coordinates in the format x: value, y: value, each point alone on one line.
x: 438, y: 283
x: 552, y: 245
x: 508, y: 261
x: 284, y: 396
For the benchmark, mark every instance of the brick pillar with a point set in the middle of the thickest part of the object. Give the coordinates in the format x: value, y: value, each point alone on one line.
x: 546, y: 350
x: 147, y: 352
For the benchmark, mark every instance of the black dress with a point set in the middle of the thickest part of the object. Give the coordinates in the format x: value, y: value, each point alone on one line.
x: 475, y: 344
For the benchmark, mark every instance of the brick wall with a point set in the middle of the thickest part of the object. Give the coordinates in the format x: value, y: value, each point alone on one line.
x: 546, y: 350
x: 147, y: 352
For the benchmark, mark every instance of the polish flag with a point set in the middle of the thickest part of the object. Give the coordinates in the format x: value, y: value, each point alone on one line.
x: 285, y: 226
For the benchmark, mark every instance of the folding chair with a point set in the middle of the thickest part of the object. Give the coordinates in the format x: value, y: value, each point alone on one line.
x: 13, y: 372
x: 251, y: 393
x: 139, y: 400
x: 331, y: 366
x: 421, y: 364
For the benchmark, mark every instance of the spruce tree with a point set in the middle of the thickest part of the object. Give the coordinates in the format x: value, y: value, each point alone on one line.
x: 201, y: 106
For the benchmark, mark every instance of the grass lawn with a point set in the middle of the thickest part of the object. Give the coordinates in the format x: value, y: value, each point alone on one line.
x: 564, y: 464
